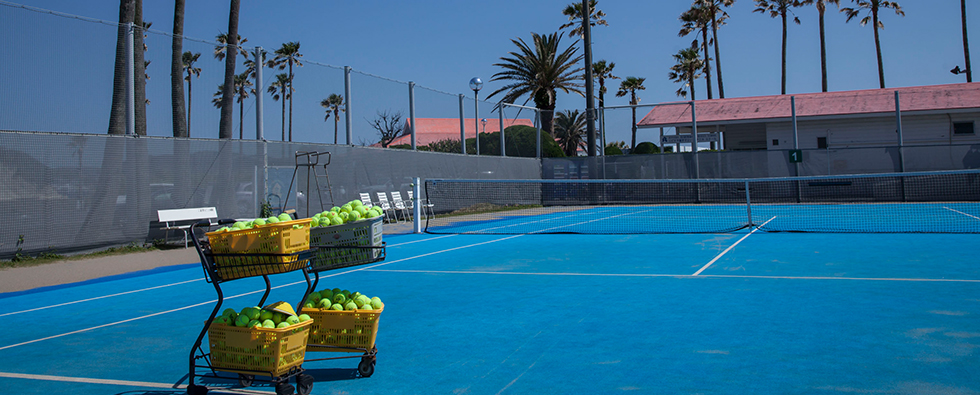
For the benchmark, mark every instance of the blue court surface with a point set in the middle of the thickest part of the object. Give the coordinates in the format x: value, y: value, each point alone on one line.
x: 747, y: 312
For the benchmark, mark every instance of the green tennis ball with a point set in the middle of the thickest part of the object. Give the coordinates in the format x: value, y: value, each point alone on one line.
x: 272, y: 220
x: 336, y: 220
x: 229, y: 311
x: 304, y: 317
x: 282, y: 325
x: 314, y: 222
x: 309, y: 305
x: 292, y: 320
x: 366, y: 306
x: 253, y: 323
x: 362, y: 300
x: 254, y: 313
x: 315, y: 296
x: 268, y: 324
x: 339, y: 298
x: 346, y: 293
x: 325, y: 303
x: 362, y: 210
x: 346, y: 208
x: 265, y: 315
x: 285, y: 217
x: 376, y: 303
x: 354, y: 216
x: 336, y: 291
x: 337, y: 306
x: 326, y: 294
x: 350, y: 306
x: 277, y: 318
x: 344, y: 215
x: 335, y: 209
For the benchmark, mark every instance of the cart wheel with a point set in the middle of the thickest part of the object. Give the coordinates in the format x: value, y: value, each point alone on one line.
x: 284, y: 388
x: 366, y: 367
x: 196, y: 389
x: 245, y: 380
x: 304, y: 384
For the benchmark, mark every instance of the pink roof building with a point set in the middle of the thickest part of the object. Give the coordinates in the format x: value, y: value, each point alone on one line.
x: 431, y: 130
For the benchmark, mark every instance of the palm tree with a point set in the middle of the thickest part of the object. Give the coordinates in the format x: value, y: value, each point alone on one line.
x: 629, y: 86
x: 781, y: 9
x: 686, y: 70
x: 821, y: 8
x: 698, y: 19
x: 718, y: 17
x: 872, y: 16
x: 601, y: 71
x: 574, y: 13
x: 188, y: 60
x: 177, y: 72
x: 222, y: 39
x: 539, y: 73
x: 966, y: 42
x: 333, y: 104
x: 227, y: 96
x: 139, y: 66
x: 243, y: 87
x: 117, y: 110
x: 570, y: 130
x: 280, y: 89
x: 288, y: 55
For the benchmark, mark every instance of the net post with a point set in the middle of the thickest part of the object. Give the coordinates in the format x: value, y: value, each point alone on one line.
x: 411, y: 110
x: 348, y: 117
x: 462, y: 125
x: 748, y: 204
x: 503, y: 141
x: 416, y: 207
x: 259, y: 127
x: 901, y: 143
x: 130, y: 81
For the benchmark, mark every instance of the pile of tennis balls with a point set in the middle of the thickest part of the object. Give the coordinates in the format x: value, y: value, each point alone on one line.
x: 342, y: 300
x: 349, y: 212
x: 240, y: 225
x: 256, y: 317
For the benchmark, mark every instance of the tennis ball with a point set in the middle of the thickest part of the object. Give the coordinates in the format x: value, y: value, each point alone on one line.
x: 314, y: 222
x: 335, y: 209
x: 326, y: 294
x: 362, y: 300
x: 337, y: 306
x: 344, y: 215
x: 336, y: 220
x: 362, y: 210
x: 346, y: 208
x: 277, y: 318
x: 309, y: 305
x: 350, y: 306
x: 304, y: 317
x: 346, y: 293
x: 272, y: 220
x: 285, y: 217
x: 254, y: 313
x: 366, y: 306
x: 315, y: 296
x: 253, y: 323
x: 239, y: 224
x: 292, y: 320
x: 325, y: 303
x: 339, y: 298
x: 354, y: 216
x: 376, y: 303
x: 229, y: 311
x: 268, y: 324
x: 282, y: 325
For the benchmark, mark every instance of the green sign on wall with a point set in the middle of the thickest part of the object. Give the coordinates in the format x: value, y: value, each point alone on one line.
x: 795, y: 156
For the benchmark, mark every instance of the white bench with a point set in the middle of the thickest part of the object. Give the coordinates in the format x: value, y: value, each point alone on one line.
x: 182, y: 218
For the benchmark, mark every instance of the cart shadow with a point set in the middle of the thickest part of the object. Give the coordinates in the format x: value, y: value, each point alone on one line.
x: 333, y: 374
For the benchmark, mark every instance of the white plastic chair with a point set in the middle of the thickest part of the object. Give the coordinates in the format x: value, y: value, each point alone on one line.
x: 422, y: 205
x: 386, y: 207
x: 366, y: 200
x: 399, y: 204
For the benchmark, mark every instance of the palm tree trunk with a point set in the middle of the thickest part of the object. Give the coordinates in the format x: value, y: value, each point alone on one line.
x: 966, y: 42
x: 335, y: 121
x: 117, y: 110
x: 783, y: 84
x: 177, y: 72
x: 139, y: 86
x: 881, y: 69
x: 707, y: 63
x: 290, y: 100
x: 691, y: 77
x: 633, y: 102
x: 823, y: 54
x: 228, y: 92
x: 284, y: 116
x: 714, y: 33
x: 188, y: 104
x: 241, y: 114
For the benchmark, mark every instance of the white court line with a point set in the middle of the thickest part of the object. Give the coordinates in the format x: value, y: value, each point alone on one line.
x: 575, y: 214
x: 240, y: 295
x: 732, y: 246
x: 100, y: 297
x: 419, y: 241
x: 126, y: 383
x: 960, y: 212
x: 938, y: 280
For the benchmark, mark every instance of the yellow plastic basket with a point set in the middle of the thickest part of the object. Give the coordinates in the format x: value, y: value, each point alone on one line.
x: 252, y: 350
x: 278, y: 238
x: 342, y: 330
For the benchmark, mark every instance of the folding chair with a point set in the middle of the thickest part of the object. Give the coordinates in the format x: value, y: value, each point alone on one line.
x: 366, y: 200
x: 386, y: 207
x: 399, y: 204
x: 422, y: 204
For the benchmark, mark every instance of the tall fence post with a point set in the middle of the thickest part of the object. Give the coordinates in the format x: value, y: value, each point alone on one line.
x: 348, y: 117
x: 411, y: 110
x: 130, y: 82
x: 901, y: 140
x: 796, y: 135
x: 259, y: 127
x: 537, y: 127
x: 503, y: 141
x: 462, y: 125
x: 694, y: 141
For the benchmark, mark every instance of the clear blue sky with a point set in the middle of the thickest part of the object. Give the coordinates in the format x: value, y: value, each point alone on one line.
x: 441, y: 44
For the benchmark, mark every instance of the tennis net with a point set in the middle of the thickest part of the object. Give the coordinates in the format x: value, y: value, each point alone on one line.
x: 923, y: 202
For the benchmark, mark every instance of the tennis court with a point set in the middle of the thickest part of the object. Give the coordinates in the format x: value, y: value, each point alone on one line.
x: 739, y: 312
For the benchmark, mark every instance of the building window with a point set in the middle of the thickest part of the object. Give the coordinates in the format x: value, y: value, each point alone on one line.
x: 821, y: 142
x: 775, y: 142
x: 962, y: 128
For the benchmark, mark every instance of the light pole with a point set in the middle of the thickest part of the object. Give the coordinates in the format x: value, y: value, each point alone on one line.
x: 475, y: 84
x: 484, y: 123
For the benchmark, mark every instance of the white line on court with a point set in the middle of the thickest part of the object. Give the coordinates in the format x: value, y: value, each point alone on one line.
x: 939, y: 280
x: 420, y: 240
x: 101, y: 297
x: 575, y: 214
x: 960, y: 212
x: 127, y: 383
x: 730, y: 247
x: 245, y: 294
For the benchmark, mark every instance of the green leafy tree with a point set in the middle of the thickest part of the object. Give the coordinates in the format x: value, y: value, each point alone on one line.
x: 871, y: 8
x: 281, y: 92
x: 645, y: 148
x: 221, y: 49
x: 575, y: 13
x: 188, y: 59
x: 698, y: 20
x: 570, y: 130
x: 522, y: 141
x: 452, y: 146
x: 243, y: 88
x: 686, y: 69
x: 781, y: 9
x: 612, y: 149
x: 334, y: 104
x: 540, y: 72
x: 288, y: 56
x: 629, y: 86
